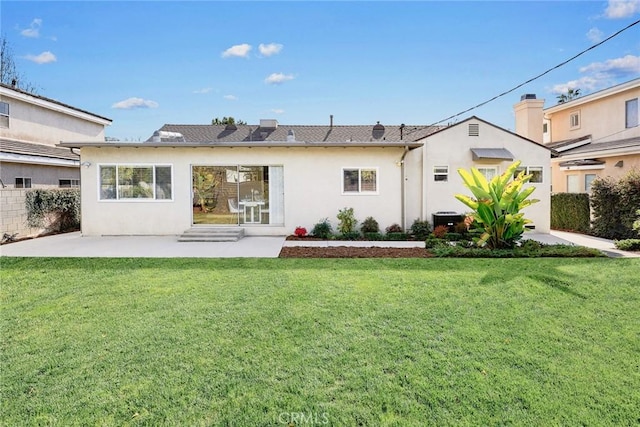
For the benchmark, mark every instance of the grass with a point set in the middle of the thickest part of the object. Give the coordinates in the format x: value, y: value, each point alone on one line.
x: 266, y: 342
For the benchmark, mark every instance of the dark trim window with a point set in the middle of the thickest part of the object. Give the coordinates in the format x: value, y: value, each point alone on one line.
x: 631, y: 113
x: 359, y: 180
x: 23, y: 182
x: 68, y: 183
x: 4, y: 114
x: 135, y: 182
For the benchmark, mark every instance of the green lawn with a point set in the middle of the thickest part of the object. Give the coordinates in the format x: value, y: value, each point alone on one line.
x: 266, y: 342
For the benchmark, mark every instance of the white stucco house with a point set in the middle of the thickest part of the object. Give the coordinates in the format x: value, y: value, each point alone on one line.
x: 268, y: 179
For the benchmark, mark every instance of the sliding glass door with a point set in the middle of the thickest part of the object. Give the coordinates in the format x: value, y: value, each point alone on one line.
x: 238, y: 195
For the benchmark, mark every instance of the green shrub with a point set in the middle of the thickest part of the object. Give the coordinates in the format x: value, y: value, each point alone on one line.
x: 420, y: 229
x: 453, y: 237
x: 570, y: 211
x: 351, y: 235
x: 636, y: 223
x: 322, y: 229
x: 347, y: 220
x: 561, y: 251
x: 432, y: 242
x: 370, y: 225
x: 395, y: 236
x: 64, y: 204
x: 628, y: 244
x: 614, y: 206
x: 373, y: 236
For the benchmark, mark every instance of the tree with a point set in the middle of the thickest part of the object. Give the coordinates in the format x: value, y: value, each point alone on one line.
x: 227, y: 121
x: 571, y: 94
x: 497, y: 205
x: 9, y: 73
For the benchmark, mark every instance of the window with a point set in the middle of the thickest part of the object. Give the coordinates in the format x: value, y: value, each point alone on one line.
x: 631, y: 113
x: 122, y: 182
x: 488, y: 172
x: 574, y: 120
x: 572, y: 184
x: 4, y: 114
x: 441, y: 173
x: 68, y: 183
x: 535, y: 171
x: 360, y: 180
x: 545, y: 128
x: 474, y: 129
x: 23, y: 182
x: 588, y: 179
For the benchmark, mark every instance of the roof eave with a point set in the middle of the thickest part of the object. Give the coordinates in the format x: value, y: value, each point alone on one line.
x: 250, y: 144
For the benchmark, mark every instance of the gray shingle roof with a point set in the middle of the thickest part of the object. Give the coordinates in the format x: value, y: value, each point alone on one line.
x: 31, y: 149
x: 604, y: 146
x: 302, y: 133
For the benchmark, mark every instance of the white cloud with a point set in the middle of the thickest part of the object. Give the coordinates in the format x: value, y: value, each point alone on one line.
x: 595, y: 35
x: 203, y: 90
x: 625, y: 66
x: 277, y: 110
x: 43, y: 58
x: 33, y: 30
x: 132, y: 103
x: 239, y: 50
x: 599, y: 75
x: 270, y: 49
x: 230, y: 97
x: 622, y: 8
x: 278, y: 78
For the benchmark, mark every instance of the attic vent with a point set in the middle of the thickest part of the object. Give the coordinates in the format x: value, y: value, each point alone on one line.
x: 378, y: 131
x: 474, y: 129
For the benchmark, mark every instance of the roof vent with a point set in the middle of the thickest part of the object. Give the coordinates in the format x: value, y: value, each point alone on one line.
x: 528, y: 96
x: 474, y: 129
x: 291, y: 136
x: 159, y: 135
x: 268, y: 123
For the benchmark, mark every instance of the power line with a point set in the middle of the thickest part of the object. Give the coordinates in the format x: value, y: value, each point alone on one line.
x: 531, y: 79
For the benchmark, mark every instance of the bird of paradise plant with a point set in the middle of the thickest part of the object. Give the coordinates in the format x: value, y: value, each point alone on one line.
x: 497, y: 205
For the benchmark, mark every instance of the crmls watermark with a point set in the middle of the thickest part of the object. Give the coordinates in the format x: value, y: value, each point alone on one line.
x: 303, y: 418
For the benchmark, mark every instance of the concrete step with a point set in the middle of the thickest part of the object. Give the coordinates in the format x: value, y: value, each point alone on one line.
x: 212, y: 234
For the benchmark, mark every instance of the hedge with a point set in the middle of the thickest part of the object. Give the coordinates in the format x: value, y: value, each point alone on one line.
x: 614, y: 206
x: 570, y: 212
x: 56, y: 210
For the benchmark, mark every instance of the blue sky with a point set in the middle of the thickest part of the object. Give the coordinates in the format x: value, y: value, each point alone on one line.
x: 144, y: 64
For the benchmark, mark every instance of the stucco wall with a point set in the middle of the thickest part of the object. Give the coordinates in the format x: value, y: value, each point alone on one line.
x: 610, y: 170
x: 41, y: 176
x: 451, y: 147
x: 312, y: 187
x: 34, y: 123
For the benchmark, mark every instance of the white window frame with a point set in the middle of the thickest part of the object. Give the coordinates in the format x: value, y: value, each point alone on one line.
x: 629, y: 120
x: 360, y: 192
x: 135, y: 200
x: 527, y: 171
x: 4, y: 116
x: 574, y: 120
x: 24, y: 180
x: 576, y: 183
x: 482, y: 168
x: 443, y: 172
x: 587, y: 184
x: 73, y: 182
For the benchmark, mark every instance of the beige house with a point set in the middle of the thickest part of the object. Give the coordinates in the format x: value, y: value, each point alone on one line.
x: 30, y: 127
x: 268, y: 179
x: 596, y: 135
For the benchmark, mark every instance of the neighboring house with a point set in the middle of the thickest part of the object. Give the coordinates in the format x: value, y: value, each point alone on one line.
x: 596, y: 135
x: 271, y: 178
x: 30, y: 127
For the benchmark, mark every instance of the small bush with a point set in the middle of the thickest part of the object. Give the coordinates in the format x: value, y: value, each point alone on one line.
x: 570, y: 211
x: 373, y: 236
x: 440, y: 231
x: 395, y: 236
x: 348, y: 221
x: 370, y: 225
x: 322, y: 229
x: 432, y: 242
x: 351, y: 235
x: 393, y: 228
x: 420, y: 229
x: 300, y: 231
x: 628, y: 244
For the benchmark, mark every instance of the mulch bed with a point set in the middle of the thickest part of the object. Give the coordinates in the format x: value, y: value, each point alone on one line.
x: 352, y: 252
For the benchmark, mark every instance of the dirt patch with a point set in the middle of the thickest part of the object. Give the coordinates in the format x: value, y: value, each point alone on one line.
x: 352, y: 252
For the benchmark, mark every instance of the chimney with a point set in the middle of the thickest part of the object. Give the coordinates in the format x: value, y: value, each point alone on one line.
x: 529, y: 117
